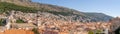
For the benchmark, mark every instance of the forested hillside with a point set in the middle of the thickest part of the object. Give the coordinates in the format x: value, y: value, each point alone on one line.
x: 28, y: 6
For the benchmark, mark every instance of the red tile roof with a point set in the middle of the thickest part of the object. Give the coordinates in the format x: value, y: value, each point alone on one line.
x: 17, y: 31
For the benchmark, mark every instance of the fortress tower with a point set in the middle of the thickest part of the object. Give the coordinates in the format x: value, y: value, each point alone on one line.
x: 10, y: 20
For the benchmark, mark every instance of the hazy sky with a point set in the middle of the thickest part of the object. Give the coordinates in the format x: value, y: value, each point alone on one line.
x: 109, y: 7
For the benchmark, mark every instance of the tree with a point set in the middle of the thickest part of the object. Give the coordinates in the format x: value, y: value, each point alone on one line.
x: 90, y: 32
x: 1, y: 22
x: 35, y: 30
x: 20, y: 21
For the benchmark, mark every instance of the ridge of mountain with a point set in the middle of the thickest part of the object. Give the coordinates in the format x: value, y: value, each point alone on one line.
x: 97, y: 16
x: 64, y: 13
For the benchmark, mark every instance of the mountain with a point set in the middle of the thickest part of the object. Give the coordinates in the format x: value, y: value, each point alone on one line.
x: 57, y: 12
x: 98, y: 16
